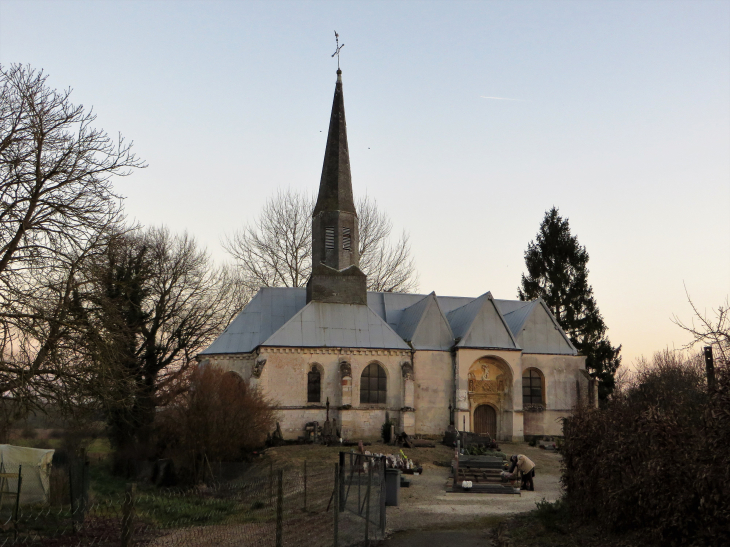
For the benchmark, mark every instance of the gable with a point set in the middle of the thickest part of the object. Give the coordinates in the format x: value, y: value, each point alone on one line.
x: 480, y: 325
x: 540, y: 333
x: 425, y: 326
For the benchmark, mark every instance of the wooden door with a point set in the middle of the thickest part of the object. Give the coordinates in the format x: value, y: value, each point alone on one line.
x: 485, y: 421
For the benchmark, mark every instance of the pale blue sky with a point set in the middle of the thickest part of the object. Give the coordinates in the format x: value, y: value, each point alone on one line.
x: 623, y: 122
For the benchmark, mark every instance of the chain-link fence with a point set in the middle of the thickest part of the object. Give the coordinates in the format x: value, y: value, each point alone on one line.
x: 274, y: 507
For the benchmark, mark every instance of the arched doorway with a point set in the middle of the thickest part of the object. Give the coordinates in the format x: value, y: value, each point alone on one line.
x: 485, y: 421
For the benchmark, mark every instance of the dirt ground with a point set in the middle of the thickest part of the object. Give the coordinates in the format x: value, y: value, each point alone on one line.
x: 427, y: 513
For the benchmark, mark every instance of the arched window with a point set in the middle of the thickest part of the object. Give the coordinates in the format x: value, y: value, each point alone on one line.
x: 314, y: 385
x: 532, y: 387
x: 373, y: 384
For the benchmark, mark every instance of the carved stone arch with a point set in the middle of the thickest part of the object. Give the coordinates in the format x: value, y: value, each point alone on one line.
x: 345, y: 369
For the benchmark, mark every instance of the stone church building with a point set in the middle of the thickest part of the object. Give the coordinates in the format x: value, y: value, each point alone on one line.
x: 503, y: 367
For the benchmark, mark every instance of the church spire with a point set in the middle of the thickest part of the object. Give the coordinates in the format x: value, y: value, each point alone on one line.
x: 335, y: 186
x: 336, y: 276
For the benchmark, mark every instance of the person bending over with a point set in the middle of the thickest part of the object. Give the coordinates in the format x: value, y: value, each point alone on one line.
x: 526, y: 468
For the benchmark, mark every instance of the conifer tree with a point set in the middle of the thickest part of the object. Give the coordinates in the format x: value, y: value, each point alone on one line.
x: 557, y: 272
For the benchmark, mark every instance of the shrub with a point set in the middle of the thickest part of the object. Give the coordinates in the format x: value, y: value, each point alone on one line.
x: 656, y: 458
x: 220, y: 417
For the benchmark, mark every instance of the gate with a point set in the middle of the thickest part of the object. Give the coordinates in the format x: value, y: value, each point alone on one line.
x: 485, y: 421
x: 362, y: 491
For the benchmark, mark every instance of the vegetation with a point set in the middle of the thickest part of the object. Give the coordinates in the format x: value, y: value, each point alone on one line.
x: 557, y: 272
x: 276, y: 249
x: 654, y: 460
x: 220, y: 418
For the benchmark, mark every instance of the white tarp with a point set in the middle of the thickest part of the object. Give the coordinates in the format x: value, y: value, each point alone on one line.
x: 36, y: 473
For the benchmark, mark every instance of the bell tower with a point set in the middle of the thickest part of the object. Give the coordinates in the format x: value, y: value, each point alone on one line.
x: 336, y: 275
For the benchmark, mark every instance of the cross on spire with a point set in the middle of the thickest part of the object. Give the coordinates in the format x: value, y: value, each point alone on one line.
x: 337, y: 51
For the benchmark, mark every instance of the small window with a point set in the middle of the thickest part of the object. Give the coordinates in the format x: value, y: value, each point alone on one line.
x: 329, y: 237
x: 346, y: 241
x: 314, y: 386
x: 531, y: 387
x: 373, y: 385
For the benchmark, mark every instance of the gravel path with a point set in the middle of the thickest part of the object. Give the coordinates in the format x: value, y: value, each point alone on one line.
x: 426, y: 504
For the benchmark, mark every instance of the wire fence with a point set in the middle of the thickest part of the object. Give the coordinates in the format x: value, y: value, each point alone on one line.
x: 279, y: 507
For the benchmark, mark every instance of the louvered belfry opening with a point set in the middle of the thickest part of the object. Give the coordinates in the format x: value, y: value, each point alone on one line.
x: 329, y: 237
x: 485, y: 421
x: 346, y: 239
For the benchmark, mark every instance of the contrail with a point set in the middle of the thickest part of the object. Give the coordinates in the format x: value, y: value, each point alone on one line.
x: 500, y: 98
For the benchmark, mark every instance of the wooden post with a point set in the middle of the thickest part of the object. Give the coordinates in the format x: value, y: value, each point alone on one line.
x: 280, y: 510
x: 128, y: 514
x: 336, y: 507
x: 305, y: 485
x: 710, y: 367
x: 367, y: 504
x: 17, y: 501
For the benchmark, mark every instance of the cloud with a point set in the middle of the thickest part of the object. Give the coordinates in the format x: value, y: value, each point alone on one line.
x: 500, y: 98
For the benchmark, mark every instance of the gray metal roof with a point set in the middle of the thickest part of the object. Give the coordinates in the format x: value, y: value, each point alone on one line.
x: 264, y: 315
x: 425, y: 326
x: 336, y: 325
x: 275, y: 316
x: 480, y: 324
x: 516, y: 319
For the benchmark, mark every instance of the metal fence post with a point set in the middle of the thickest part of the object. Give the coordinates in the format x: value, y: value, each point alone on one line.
x: 271, y: 482
x: 17, y: 501
x: 382, y: 496
x: 336, y: 506
x: 128, y: 515
x: 341, y: 495
x: 367, y: 503
x: 280, y: 510
x: 305, y: 485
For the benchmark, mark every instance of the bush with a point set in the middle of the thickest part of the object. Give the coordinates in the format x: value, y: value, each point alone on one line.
x: 656, y: 458
x: 220, y: 418
x: 553, y: 516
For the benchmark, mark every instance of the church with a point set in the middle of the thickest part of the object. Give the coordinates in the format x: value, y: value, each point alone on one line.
x: 422, y: 361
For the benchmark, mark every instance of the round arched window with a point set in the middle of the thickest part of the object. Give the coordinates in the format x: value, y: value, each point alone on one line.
x: 314, y: 385
x: 373, y: 384
x: 531, y: 387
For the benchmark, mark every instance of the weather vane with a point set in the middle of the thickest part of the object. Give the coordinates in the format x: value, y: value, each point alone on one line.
x: 337, y: 51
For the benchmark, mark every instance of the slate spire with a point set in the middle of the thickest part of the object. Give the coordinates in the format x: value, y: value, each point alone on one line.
x: 335, y: 186
x: 336, y: 275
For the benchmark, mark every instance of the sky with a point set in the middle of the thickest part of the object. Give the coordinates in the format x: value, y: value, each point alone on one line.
x: 466, y: 122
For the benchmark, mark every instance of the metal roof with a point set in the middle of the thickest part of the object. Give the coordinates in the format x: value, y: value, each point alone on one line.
x: 271, y: 308
x: 426, y: 321
x: 516, y: 319
x: 321, y: 324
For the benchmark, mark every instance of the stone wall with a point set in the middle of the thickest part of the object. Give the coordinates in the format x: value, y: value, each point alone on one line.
x: 434, y: 391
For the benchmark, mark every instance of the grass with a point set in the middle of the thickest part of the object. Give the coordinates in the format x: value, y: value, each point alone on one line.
x: 551, y: 525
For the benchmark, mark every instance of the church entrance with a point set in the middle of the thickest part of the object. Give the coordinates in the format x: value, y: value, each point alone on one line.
x: 485, y: 421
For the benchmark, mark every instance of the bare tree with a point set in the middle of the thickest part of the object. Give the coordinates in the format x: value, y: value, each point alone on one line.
x: 148, y: 306
x: 709, y: 329
x: 56, y: 199
x: 276, y: 249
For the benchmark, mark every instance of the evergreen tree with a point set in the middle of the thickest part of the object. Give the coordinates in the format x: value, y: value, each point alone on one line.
x: 557, y: 272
